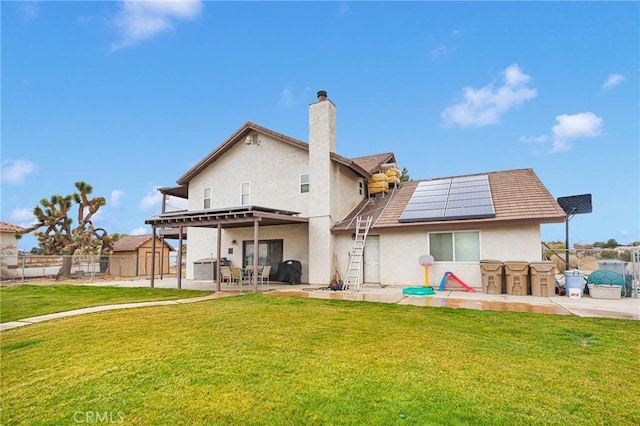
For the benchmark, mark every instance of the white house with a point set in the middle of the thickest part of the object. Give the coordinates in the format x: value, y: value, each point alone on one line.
x: 300, y: 201
x: 9, y: 235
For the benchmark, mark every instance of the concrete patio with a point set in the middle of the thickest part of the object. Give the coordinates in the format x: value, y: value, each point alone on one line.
x: 625, y: 308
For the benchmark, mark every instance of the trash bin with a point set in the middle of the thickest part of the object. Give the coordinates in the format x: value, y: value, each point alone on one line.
x: 574, y: 283
x: 491, y: 271
x: 516, y: 273
x: 606, y: 284
x: 543, y: 279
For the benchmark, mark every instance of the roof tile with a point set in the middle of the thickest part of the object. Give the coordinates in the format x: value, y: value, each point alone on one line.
x: 518, y: 196
x: 371, y: 163
x: 7, y: 227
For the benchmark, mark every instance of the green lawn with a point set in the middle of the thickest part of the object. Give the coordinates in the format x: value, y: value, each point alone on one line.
x: 260, y: 359
x: 26, y: 301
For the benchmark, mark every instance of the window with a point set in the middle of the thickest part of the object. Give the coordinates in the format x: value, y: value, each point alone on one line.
x: 360, y: 188
x: 245, y: 193
x: 455, y: 246
x: 206, y: 198
x: 304, y: 183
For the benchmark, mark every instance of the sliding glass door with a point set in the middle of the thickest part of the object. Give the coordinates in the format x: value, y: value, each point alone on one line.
x: 269, y: 253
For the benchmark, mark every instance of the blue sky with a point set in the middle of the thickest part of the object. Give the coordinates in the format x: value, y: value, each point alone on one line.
x: 127, y: 96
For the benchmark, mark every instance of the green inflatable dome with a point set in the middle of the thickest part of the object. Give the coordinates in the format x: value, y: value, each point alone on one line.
x: 607, y: 277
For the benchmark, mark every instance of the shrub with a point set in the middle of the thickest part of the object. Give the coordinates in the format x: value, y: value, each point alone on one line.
x: 608, y: 254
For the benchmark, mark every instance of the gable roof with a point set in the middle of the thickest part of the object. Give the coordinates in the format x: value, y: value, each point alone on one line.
x: 519, y: 197
x: 7, y: 227
x: 371, y: 163
x: 242, y: 133
x: 133, y: 242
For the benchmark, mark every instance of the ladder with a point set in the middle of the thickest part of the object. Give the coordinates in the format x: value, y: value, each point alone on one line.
x: 352, y: 278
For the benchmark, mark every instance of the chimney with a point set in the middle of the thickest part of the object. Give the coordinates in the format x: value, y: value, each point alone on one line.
x: 322, y: 123
x: 322, y: 142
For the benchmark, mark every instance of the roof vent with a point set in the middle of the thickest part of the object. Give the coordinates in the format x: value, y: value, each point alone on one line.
x: 252, y: 139
x: 322, y: 95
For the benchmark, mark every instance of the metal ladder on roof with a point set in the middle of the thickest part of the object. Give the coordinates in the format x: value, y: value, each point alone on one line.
x: 352, y: 278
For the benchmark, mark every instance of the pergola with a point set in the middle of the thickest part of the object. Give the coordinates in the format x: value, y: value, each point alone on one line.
x: 235, y: 217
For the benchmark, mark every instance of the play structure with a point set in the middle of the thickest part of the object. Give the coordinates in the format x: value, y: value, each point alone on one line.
x: 425, y: 261
x: 451, y: 275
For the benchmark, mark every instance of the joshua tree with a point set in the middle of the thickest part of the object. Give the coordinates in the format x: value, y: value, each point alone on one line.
x: 59, y: 237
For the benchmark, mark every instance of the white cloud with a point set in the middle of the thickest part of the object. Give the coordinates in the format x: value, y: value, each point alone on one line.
x: 343, y: 8
x: 98, y: 217
x: 534, y: 139
x: 286, y: 96
x: 116, y: 196
x: 140, y: 20
x: 151, y: 200
x: 484, y: 106
x: 14, y: 171
x: 24, y: 217
x: 612, y: 81
x: 29, y: 9
x: 438, y: 51
x: 569, y: 127
x: 139, y: 231
x: 289, y: 97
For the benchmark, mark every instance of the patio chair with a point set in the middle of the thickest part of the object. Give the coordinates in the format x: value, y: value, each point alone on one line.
x: 226, y: 274
x: 236, y: 274
x: 264, y: 273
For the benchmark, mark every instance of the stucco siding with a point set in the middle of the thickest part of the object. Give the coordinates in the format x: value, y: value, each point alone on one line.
x: 400, y: 251
x: 272, y: 169
x: 512, y: 243
x: 345, y: 190
x: 202, y: 244
x: 9, y: 249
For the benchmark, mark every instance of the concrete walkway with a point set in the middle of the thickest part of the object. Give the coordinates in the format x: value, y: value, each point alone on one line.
x: 625, y: 308
x: 41, y: 318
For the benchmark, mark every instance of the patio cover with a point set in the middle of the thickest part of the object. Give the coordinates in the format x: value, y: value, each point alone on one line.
x: 234, y: 217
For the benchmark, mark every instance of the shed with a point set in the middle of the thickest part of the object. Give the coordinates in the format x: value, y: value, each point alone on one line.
x: 131, y: 256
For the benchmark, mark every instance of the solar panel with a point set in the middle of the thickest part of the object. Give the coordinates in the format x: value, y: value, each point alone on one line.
x: 467, y: 197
